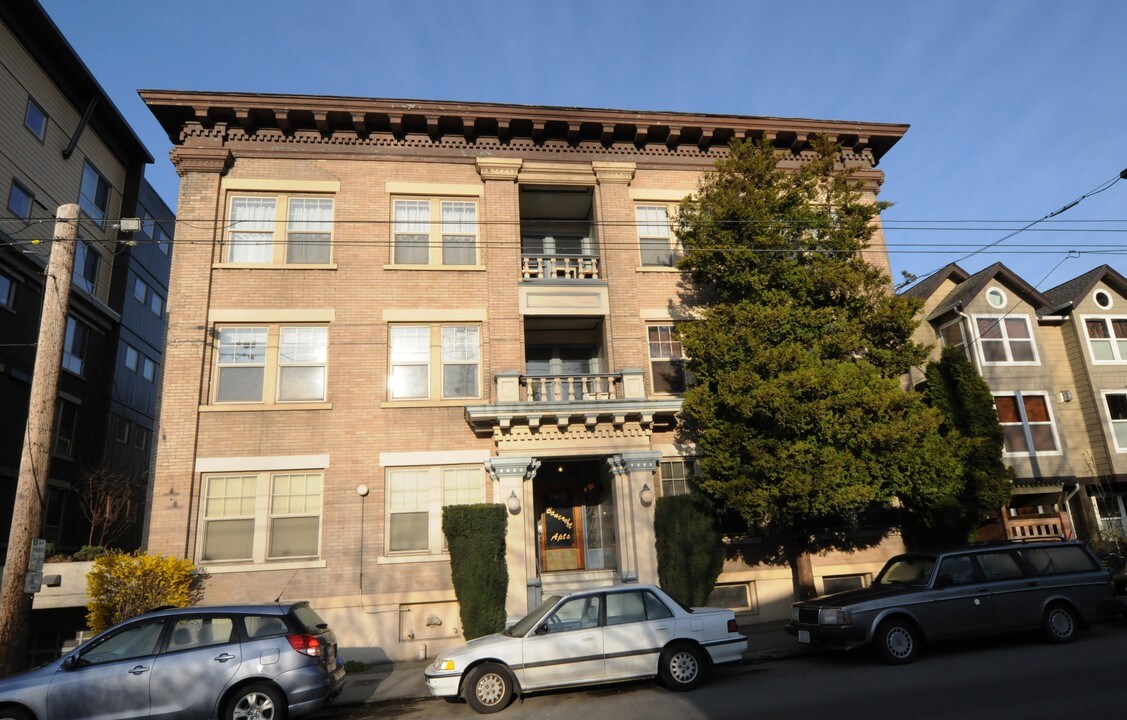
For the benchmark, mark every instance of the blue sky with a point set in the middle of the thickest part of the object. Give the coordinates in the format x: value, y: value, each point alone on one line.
x: 1016, y: 107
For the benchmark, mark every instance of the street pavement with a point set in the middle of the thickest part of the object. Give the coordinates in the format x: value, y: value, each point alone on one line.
x: 404, y: 681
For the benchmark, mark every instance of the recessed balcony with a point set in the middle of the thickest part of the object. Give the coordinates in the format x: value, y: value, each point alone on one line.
x: 559, y: 267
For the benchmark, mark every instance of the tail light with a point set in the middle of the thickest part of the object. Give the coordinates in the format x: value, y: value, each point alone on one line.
x: 305, y: 644
x: 732, y: 626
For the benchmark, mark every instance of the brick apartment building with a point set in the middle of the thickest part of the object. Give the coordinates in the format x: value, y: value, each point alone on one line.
x: 1056, y: 362
x: 379, y: 307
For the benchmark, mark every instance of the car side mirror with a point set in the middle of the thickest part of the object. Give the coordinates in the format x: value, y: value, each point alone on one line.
x: 944, y: 581
x: 72, y: 662
x: 543, y: 630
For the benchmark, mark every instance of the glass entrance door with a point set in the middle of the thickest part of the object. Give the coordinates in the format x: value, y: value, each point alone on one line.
x: 574, y: 517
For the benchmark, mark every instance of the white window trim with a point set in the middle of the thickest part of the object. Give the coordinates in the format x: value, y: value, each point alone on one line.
x: 1114, y: 346
x: 1020, y: 395
x: 435, y: 540
x: 1105, y: 412
x: 1005, y: 339
x: 261, y: 541
x: 1105, y: 293
x: 1005, y: 298
x: 962, y: 333
x: 40, y: 135
x: 652, y: 360
x: 675, y: 247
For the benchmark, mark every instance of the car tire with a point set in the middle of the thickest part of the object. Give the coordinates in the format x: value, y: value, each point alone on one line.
x: 13, y: 714
x: 489, y: 688
x: 1060, y: 624
x: 257, y: 700
x: 681, y: 667
x: 897, y: 641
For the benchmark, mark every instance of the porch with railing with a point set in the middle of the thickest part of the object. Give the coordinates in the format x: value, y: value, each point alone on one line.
x: 559, y: 267
x: 1038, y: 527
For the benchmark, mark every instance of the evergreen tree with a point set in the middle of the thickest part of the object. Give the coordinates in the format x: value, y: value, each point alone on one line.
x: 797, y: 349
x: 971, y: 429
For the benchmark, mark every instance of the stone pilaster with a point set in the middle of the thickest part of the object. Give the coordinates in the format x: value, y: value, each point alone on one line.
x: 632, y: 472
x: 509, y: 475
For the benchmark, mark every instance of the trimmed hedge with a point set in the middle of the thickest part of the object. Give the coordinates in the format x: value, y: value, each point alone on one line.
x: 475, y: 535
x: 690, y: 551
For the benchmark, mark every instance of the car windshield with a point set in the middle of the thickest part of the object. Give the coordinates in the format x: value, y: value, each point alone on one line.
x: 529, y: 621
x: 913, y: 570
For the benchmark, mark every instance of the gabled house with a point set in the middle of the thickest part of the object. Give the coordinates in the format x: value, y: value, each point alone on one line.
x: 382, y: 307
x: 1049, y: 359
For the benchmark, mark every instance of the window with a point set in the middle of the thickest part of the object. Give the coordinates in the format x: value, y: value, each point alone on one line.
x: 94, y: 197
x: 418, y: 240
x: 66, y: 423
x: 1027, y: 424
x: 7, y: 291
x: 293, y: 360
x: 135, y: 641
x: 74, y: 346
x: 20, y: 201
x: 156, y: 305
x: 675, y: 476
x: 306, y: 224
x: 659, y: 247
x: 197, y: 632
x: 162, y: 239
x: 453, y: 351
x: 1006, y: 340
x: 1107, y: 339
x: 635, y: 606
x: 140, y: 290
x: 140, y: 437
x: 148, y: 369
x: 131, y: 357
x: 86, y: 261
x: 952, y: 334
x: 121, y: 429
x: 415, y: 498
x: 666, y: 359
x: 996, y: 297
x: 286, y: 525
x: 35, y: 120
x: 1117, y: 414
x: 1000, y: 566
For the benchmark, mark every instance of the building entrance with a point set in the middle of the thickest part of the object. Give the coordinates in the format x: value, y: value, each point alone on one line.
x: 574, y: 517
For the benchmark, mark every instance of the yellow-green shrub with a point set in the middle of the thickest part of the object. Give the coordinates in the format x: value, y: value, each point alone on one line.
x: 122, y: 585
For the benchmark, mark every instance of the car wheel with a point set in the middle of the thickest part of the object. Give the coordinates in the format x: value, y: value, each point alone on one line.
x: 681, y: 667
x: 1060, y: 624
x: 897, y: 642
x: 258, y: 701
x: 13, y: 714
x: 489, y: 688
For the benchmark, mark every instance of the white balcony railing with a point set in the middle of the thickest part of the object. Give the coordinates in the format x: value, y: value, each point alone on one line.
x: 570, y: 388
x: 565, y: 267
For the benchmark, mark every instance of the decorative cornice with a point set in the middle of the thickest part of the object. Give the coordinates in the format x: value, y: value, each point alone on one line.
x: 201, y: 159
x: 502, y: 467
x: 614, y: 172
x: 359, y: 121
x: 635, y: 461
x: 503, y: 169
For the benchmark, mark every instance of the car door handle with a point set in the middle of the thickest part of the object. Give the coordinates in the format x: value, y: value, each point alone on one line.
x: 982, y: 589
x: 1034, y: 583
x: 224, y: 657
x: 588, y: 637
x: 138, y: 670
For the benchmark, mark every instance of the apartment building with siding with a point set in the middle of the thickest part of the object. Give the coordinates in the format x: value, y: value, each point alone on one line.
x: 1056, y: 362
x: 63, y: 141
x: 380, y: 307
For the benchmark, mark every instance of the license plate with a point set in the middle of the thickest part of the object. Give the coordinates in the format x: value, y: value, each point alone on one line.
x: 804, y: 636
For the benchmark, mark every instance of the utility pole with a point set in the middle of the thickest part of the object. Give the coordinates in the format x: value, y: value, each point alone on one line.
x: 31, y: 488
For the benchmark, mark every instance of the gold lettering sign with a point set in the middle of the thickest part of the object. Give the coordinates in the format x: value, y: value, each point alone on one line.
x: 559, y: 528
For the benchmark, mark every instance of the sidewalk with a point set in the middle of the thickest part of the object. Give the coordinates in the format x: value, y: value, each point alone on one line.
x: 398, y: 681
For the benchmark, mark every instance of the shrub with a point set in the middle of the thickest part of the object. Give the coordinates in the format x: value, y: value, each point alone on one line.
x: 475, y: 535
x: 89, y: 552
x: 690, y: 551
x: 122, y: 585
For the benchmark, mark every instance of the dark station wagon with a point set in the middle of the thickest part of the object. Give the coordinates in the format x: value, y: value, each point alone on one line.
x: 1056, y: 587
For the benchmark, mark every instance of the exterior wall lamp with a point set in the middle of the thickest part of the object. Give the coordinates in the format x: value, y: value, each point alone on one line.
x: 647, y: 495
x: 513, y: 503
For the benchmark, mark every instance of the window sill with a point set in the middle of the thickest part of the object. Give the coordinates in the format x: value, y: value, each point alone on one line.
x: 656, y: 269
x: 428, y: 403
x: 263, y: 407
x: 1044, y: 453
x: 273, y: 266
x: 251, y: 566
x: 438, y: 268
x: 1024, y: 363
x: 403, y: 559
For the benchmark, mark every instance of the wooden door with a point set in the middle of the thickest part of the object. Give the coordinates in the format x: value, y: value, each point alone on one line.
x: 561, y: 528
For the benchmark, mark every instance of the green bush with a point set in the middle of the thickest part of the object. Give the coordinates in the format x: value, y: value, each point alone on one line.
x: 122, y: 585
x: 89, y: 552
x: 690, y: 551
x: 475, y: 535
